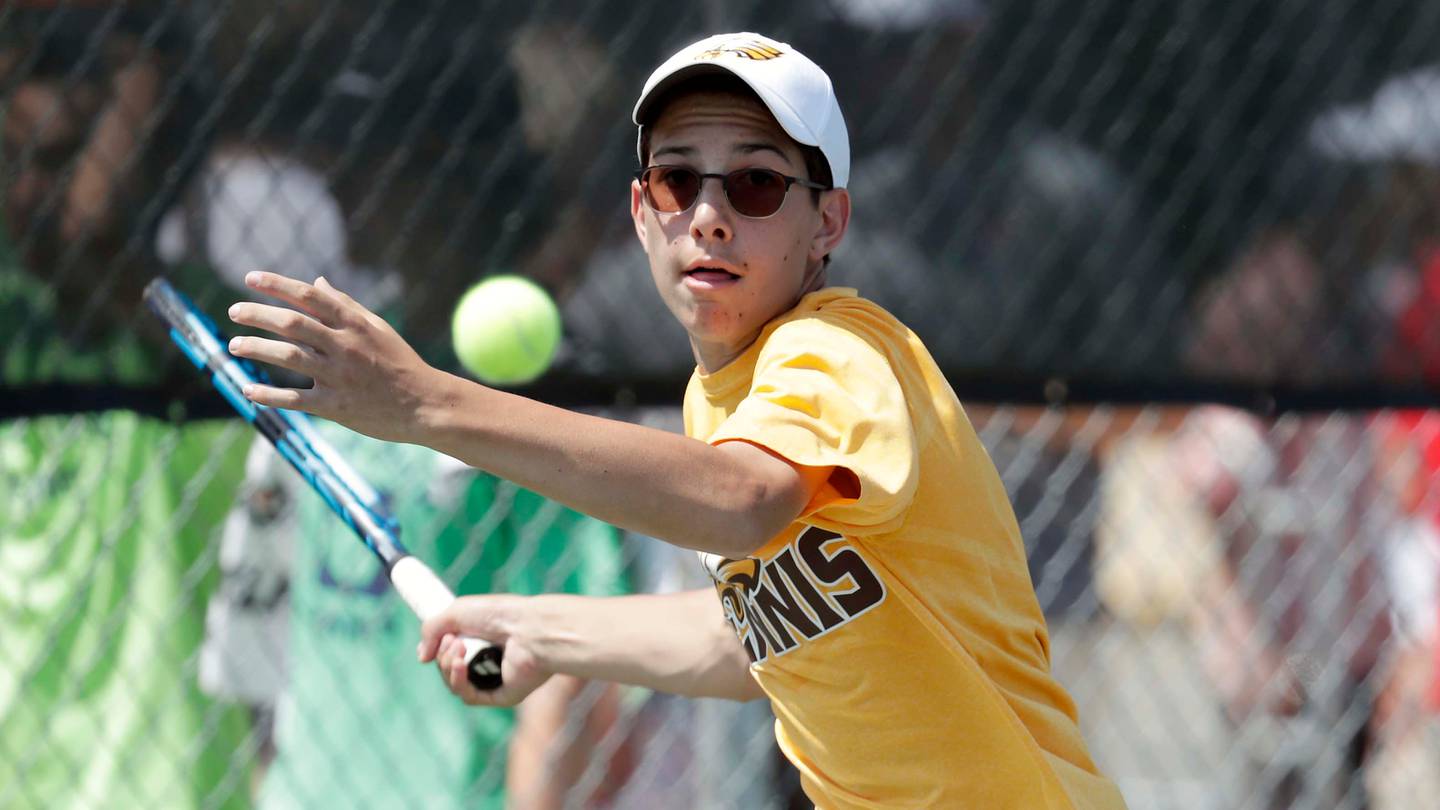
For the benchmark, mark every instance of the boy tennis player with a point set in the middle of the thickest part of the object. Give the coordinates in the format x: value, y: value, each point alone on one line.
x: 862, y: 547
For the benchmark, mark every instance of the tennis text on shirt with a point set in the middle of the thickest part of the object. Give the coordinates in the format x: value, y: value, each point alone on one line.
x: 816, y: 583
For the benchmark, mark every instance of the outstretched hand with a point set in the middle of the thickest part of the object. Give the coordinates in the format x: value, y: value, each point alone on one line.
x: 366, y: 376
x: 491, y: 618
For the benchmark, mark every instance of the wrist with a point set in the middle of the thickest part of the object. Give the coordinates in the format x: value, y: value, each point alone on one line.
x: 546, y: 628
x: 439, y: 407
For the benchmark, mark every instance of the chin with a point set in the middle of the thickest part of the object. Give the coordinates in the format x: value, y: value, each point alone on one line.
x: 712, y: 321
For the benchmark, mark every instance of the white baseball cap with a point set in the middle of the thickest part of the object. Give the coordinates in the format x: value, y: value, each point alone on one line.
x: 795, y: 90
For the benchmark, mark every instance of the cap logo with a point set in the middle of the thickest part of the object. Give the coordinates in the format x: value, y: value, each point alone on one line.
x: 745, y: 49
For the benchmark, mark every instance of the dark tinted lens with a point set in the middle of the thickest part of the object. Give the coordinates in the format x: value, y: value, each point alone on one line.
x: 755, y: 192
x: 671, y: 189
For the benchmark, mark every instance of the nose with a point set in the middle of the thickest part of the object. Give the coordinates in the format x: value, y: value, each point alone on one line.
x: 710, y: 220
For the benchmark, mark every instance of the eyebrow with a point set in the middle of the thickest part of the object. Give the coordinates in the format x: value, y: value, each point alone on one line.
x: 762, y: 146
x: 742, y: 149
x: 679, y: 151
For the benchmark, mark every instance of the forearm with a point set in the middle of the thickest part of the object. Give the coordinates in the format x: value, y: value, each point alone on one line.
x: 550, y: 749
x: 728, y: 499
x: 676, y: 643
x: 650, y: 481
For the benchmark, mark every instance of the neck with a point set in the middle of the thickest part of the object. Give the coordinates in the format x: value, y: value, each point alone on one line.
x: 816, y: 277
x: 711, y: 357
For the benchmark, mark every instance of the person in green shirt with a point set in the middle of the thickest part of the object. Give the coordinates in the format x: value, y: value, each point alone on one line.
x: 107, y: 516
x: 357, y: 723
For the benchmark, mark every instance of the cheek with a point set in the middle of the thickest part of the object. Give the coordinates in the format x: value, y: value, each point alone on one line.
x: 665, y: 235
x: 794, y: 254
x: 794, y: 237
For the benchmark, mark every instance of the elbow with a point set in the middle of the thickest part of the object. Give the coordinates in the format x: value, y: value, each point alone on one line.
x: 749, y: 525
x: 761, y: 495
x: 758, y: 496
x: 753, y: 520
x: 736, y: 522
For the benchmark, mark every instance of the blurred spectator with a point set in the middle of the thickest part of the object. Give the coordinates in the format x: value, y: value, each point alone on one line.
x: 1262, y: 322
x: 99, y: 141
x: 1391, y: 135
x: 358, y: 721
x: 1292, y: 620
x: 1415, y: 350
x: 108, y: 515
x: 1291, y: 623
x: 1139, y: 674
x: 1295, y: 304
x: 1406, y: 770
x: 1254, y: 549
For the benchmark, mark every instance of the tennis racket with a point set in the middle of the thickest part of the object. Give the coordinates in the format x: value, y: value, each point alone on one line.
x: 348, y: 494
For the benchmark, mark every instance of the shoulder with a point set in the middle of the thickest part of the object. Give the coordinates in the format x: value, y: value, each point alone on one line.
x: 836, y: 319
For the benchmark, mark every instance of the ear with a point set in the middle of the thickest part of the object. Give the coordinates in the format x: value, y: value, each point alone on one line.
x: 637, y: 210
x: 834, y: 212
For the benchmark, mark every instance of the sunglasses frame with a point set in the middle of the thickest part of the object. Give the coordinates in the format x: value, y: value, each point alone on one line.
x: 724, y: 187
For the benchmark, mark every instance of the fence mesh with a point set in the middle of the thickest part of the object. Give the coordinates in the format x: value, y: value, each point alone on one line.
x: 1142, y: 214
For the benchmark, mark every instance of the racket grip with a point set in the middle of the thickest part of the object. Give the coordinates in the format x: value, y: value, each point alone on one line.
x: 423, y: 591
x: 482, y: 663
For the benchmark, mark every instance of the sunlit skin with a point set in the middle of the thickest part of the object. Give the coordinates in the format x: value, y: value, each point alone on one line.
x: 776, y: 260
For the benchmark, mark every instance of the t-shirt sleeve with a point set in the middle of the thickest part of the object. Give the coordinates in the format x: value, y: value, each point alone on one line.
x: 822, y: 396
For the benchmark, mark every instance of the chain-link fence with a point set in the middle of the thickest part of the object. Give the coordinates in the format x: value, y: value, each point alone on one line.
x: 1100, y: 216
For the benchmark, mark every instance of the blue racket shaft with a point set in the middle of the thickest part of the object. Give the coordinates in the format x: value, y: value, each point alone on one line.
x: 348, y: 494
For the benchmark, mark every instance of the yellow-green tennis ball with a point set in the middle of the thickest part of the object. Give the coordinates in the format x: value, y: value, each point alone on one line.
x: 505, y: 330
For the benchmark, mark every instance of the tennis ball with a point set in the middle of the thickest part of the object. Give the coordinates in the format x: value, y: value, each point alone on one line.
x: 505, y: 330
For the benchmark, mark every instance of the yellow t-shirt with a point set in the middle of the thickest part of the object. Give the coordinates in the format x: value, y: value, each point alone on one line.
x: 894, y: 626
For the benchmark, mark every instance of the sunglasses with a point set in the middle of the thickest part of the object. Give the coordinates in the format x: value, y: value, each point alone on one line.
x: 755, y: 193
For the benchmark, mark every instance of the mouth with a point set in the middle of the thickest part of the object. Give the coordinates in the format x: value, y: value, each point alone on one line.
x: 701, y: 274
x: 711, y: 274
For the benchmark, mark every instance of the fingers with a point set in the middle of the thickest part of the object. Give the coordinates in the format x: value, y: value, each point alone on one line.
x: 458, y: 678
x: 287, y: 323
x: 441, y: 642
x: 291, y: 399
x: 434, y: 631
x: 450, y: 661
x: 325, y: 303
x: 298, y: 358
x: 324, y: 284
x: 483, y: 617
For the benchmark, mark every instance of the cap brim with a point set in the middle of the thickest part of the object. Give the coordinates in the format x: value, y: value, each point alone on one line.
x: 783, y: 115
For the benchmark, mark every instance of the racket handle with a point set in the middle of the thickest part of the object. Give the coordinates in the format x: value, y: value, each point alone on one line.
x: 482, y: 663
x: 423, y: 591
